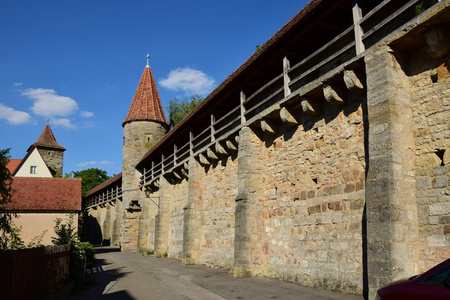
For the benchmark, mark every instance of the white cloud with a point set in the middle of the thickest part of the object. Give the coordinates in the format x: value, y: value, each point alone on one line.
x: 63, y: 122
x: 189, y: 80
x: 87, y: 125
x: 86, y: 114
x: 90, y: 163
x: 48, y: 104
x: 17, y: 83
x: 13, y: 116
x: 87, y: 163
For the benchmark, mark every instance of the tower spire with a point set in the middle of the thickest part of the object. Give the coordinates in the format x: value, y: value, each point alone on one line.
x: 146, y: 104
x: 47, y: 139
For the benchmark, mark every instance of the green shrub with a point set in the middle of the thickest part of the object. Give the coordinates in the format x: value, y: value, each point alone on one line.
x: 89, y: 250
x: 15, y: 241
x: 67, y: 234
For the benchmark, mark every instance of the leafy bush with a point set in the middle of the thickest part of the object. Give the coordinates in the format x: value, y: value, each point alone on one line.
x: 89, y: 250
x: 15, y: 241
x: 67, y: 234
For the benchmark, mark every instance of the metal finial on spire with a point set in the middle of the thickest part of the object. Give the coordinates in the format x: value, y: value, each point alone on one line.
x: 148, y: 57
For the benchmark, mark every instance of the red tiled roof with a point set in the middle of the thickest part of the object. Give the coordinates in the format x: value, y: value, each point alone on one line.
x: 105, y: 184
x: 45, y: 194
x: 13, y: 164
x: 146, y: 104
x: 47, y: 139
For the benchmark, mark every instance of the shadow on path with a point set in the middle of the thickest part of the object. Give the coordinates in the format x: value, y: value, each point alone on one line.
x: 128, y: 275
x: 100, y: 279
x: 100, y: 249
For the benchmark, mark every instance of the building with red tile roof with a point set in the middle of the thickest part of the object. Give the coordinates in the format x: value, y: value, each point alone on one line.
x: 37, y: 197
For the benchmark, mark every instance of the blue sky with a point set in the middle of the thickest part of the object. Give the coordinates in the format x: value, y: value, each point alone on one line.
x: 77, y: 63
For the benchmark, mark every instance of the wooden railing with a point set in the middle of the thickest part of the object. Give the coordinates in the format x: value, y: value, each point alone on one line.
x: 109, y: 195
x: 33, y: 273
x: 365, y: 32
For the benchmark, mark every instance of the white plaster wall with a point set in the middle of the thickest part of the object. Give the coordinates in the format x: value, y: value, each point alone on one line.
x: 35, y: 159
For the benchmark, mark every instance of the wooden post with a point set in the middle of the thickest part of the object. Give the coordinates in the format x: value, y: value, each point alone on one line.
x: 191, y: 145
x: 286, y: 78
x: 153, y: 170
x: 242, y: 97
x: 357, y: 15
x: 175, y: 155
x: 213, y: 120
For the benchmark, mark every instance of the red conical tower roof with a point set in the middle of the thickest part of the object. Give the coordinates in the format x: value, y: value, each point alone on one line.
x: 47, y: 139
x: 146, y: 104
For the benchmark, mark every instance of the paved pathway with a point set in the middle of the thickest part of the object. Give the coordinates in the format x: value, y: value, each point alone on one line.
x: 126, y: 275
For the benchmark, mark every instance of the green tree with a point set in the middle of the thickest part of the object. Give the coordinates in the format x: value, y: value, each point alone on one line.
x: 90, y: 178
x: 5, y: 198
x: 178, y: 110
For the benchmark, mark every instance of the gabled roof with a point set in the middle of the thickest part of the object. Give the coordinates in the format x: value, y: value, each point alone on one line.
x: 24, y: 160
x: 45, y: 194
x: 108, y: 183
x: 47, y: 140
x: 13, y: 164
x: 146, y: 104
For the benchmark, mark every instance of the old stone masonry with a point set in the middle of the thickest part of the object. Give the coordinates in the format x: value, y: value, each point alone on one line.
x: 323, y: 160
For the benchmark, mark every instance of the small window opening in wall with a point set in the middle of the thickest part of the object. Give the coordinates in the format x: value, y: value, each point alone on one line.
x: 148, y: 137
x: 434, y: 78
x: 440, y: 153
x: 33, y: 170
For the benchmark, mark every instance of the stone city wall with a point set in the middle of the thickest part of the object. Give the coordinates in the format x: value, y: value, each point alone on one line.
x: 179, y: 200
x: 349, y: 197
x: 310, y: 211
x: 430, y: 92
x: 218, y: 192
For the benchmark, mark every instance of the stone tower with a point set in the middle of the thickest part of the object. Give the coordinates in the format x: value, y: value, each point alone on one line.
x: 144, y: 125
x: 52, y: 152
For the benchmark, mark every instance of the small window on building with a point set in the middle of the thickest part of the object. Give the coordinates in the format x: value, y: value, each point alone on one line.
x: 33, y: 170
x: 148, y: 139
